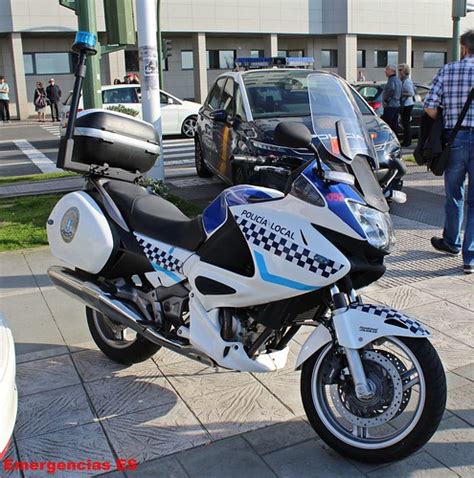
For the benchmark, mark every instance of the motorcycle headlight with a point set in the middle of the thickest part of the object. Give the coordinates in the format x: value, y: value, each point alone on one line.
x: 377, y: 226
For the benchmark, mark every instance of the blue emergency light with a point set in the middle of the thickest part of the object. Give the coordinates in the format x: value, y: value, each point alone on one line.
x: 85, y: 41
x: 276, y: 61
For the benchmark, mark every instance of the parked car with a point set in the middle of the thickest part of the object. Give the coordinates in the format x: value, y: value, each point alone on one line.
x: 8, y: 392
x: 373, y: 94
x: 178, y: 116
x: 240, y: 115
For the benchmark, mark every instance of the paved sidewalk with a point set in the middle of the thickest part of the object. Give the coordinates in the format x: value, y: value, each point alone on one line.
x: 181, y: 419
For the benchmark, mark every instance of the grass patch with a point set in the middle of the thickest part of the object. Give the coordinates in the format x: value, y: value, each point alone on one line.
x: 188, y: 208
x: 35, y: 177
x: 23, y: 219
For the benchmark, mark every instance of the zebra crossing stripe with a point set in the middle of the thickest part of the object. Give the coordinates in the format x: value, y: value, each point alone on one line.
x: 40, y: 160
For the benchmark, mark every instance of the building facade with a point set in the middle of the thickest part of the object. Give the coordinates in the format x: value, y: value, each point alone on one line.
x: 345, y: 36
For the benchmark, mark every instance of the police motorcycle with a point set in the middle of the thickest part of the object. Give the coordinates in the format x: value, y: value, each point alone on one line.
x: 232, y: 287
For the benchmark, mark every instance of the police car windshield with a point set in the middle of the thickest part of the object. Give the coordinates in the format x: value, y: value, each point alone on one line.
x: 277, y: 93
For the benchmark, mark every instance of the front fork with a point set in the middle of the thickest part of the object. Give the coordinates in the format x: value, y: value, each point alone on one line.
x: 363, y: 389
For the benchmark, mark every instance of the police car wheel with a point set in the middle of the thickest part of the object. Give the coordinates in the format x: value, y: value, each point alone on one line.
x: 239, y: 175
x: 201, y: 168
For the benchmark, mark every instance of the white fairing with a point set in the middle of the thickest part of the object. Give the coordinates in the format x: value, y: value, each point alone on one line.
x: 291, y: 257
x: 205, y: 335
x: 167, y: 260
x: 8, y: 392
x: 79, y: 233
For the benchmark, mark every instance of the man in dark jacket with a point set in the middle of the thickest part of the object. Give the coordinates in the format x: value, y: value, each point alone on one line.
x: 392, y: 95
x: 53, y: 92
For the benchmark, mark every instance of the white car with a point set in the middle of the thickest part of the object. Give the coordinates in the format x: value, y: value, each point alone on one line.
x: 8, y: 392
x: 177, y: 116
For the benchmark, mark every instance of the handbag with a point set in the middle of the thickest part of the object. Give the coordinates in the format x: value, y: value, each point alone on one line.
x: 438, y: 163
x: 41, y: 100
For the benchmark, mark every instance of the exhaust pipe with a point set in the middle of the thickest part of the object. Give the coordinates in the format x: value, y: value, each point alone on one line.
x: 94, y: 296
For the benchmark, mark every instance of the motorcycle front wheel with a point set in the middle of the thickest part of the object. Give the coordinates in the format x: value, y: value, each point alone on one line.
x: 409, y: 398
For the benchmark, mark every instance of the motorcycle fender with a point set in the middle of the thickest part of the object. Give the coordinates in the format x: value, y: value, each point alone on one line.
x: 316, y: 340
x: 363, y: 323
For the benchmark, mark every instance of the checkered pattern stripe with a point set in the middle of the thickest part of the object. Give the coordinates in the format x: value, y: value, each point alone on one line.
x: 282, y: 247
x: 160, y: 257
x: 385, y: 313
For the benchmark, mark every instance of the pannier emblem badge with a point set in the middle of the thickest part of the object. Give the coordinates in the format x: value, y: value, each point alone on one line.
x: 69, y: 224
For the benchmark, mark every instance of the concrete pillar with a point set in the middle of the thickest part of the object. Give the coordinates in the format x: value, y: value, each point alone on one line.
x: 18, y: 81
x: 347, y: 57
x: 404, y: 50
x: 271, y: 45
x: 115, y: 66
x: 200, y: 67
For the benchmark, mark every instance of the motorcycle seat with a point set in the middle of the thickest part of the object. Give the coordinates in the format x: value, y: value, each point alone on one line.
x: 154, y: 216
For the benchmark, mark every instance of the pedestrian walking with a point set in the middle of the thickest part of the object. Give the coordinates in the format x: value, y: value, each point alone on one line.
x: 407, y: 102
x: 40, y: 100
x: 117, y: 82
x: 450, y: 90
x: 4, y: 100
x: 360, y: 76
x: 54, y: 96
x: 392, y: 94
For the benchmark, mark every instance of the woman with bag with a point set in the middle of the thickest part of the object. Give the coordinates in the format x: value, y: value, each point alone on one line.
x: 408, y: 92
x: 41, y: 101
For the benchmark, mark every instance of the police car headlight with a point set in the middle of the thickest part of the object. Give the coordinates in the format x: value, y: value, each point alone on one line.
x: 376, y: 225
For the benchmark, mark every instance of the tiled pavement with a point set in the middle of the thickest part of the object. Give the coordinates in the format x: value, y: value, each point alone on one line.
x: 180, y: 419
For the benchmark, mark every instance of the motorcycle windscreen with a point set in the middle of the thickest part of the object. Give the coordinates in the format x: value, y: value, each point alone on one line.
x: 340, y: 128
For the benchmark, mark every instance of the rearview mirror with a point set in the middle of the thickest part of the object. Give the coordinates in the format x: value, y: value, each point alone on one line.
x: 219, y: 116
x: 293, y: 135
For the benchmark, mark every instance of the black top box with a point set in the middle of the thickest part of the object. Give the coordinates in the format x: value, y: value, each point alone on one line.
x: 108, y: 138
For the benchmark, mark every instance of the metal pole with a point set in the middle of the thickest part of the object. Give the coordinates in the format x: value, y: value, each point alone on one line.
x: 456, y: 37
x: 160, y: 48
x: 86, y: 20
x: 149, y: 78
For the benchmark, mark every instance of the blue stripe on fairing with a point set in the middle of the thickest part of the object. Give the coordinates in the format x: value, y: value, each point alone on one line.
x: 214, y: 215
x: 170, y: 274
x: 267, y: 277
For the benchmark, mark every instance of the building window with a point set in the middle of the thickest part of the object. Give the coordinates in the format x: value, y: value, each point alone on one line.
x: 131, y: 60
x: 434, y: 59
x: 49, y: 63
x: 296, y: 53
x: 385, y: 57
x: 360, y: 58
x: 329, y: 58
x: 29, y: 64
x: 291, y: 53
x: 257, y: 53
x: 187, y: 61
x: 412, y: 59
x: 220, y: 59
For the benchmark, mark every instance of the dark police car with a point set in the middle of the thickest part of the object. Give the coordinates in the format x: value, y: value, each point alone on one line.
x: 234, y: 133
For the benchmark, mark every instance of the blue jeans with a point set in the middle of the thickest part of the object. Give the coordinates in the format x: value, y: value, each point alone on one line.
x: 460, y: 165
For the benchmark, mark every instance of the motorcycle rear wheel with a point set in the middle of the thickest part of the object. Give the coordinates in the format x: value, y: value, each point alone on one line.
x: 391, y: 425
x: 117, y: 342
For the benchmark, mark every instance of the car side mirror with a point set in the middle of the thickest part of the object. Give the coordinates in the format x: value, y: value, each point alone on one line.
x: 220, y: 116
x: 170, y: 101
x: 293, y: 135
